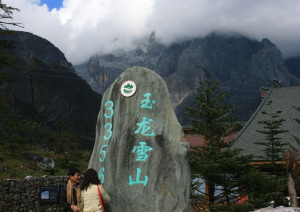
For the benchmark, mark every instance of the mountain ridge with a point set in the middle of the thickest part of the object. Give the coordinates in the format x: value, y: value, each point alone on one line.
x: 240, y: 64
x: 45, y: 85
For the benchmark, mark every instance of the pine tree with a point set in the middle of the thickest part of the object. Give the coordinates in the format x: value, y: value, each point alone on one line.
x: 6, y: 14
x: 12, y: 132
x: 261, y: 187
x: 274, y: 147
x: 292, y: 167
x: 220, y: 168
x: 33, y: 130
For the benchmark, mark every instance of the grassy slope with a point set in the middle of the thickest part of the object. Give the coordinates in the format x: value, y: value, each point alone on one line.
x: 18, y: 166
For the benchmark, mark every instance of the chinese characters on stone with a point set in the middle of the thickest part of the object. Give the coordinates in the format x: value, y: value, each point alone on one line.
x: 142, y: 149
x: 109, y: 112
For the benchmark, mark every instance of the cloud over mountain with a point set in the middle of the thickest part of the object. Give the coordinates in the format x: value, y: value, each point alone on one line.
x: 82, y: 28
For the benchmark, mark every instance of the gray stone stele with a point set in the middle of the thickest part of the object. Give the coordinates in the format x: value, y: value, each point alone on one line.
x: 167, y: 167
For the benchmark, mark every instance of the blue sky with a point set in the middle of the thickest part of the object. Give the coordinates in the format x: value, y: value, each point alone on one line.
x: 52, y: 3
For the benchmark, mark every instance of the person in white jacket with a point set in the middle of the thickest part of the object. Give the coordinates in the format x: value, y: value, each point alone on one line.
x: 90, y: 189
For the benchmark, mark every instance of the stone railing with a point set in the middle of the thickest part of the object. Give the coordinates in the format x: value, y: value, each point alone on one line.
x: 25, y: 195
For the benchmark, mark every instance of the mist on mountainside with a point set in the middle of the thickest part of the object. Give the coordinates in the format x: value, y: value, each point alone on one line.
x: 241, y: 65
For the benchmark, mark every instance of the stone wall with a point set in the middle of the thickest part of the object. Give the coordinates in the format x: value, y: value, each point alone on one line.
x: 24, y: 195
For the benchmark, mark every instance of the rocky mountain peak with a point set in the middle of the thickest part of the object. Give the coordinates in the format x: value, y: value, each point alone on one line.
x: 267, y: 43
x: 152, y: 37
x: 45, y: 86
x: 240, y: 64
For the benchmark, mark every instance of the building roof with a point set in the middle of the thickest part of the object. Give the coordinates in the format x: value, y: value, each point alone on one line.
x: 198, y: 140
x: 195, y: 139
x: 282, y: 99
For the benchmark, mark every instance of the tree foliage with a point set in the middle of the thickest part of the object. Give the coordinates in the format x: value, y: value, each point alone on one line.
x: 292, y: 167
x: 221, y: 168
x: 12, y: 132
x: 273, y: 150
x: 273, y: 146
x: 6, y: 15
x: 211, y: 117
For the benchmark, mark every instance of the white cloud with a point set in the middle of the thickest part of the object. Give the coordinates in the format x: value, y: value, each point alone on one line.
x: 86, y: 27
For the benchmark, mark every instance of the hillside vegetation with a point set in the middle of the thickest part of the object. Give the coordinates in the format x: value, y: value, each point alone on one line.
x: 19, y: 166
x: 24, y: 143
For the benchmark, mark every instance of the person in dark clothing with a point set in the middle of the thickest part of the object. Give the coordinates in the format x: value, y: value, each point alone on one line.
x: 70, y: 197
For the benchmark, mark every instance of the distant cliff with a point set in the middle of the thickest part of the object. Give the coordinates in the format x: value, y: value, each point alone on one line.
x: 46, y: 86
x: 241, y: 65
x: 293, y: 64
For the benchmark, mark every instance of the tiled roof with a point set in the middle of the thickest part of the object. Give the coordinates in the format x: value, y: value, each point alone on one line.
x: 283, y: 99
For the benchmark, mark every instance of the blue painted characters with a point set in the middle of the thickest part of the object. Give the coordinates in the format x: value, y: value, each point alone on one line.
x: 110, y: 109
x: 147, y: 103
x: 108, y: 127
x: 137, y: 180
x: 109, y: 112
x: 102, y: 153
x: 101, y: 175
x: 142, y: 149
x: 144, y: 128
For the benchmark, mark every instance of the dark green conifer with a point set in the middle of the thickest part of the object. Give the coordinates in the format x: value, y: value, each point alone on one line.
x: 221, y: 168
x: 272, y: 157
x: 274, y: 147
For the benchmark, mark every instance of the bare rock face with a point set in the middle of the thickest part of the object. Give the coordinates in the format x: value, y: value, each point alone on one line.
x: 140, y: 152
x: 44, y: 85
x: 241, y: 65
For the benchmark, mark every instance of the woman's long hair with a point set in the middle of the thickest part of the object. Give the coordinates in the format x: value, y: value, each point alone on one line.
x: 90, y: 177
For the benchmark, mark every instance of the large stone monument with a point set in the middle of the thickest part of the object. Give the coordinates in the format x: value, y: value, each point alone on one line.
x: 140, y: 152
